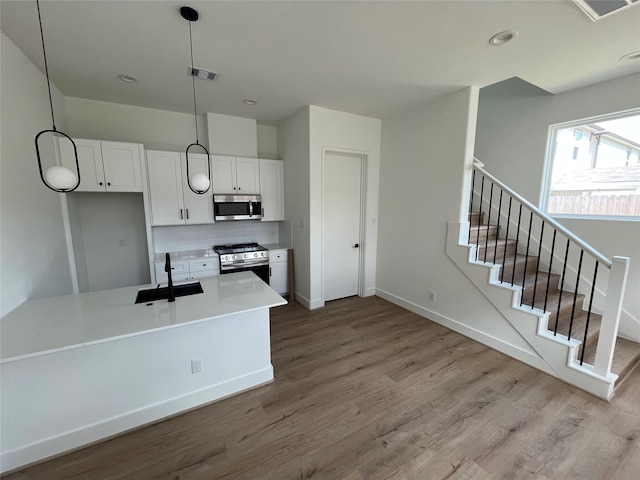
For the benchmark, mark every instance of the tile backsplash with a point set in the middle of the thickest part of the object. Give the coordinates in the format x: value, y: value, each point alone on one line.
x: 202, y: 237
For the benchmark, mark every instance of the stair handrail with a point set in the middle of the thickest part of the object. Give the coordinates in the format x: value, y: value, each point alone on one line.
x: 478, y: 165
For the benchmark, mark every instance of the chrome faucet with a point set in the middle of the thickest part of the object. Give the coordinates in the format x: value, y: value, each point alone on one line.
x: 167, y: 268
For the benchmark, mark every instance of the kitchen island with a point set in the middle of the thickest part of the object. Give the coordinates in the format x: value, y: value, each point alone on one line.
x: 80, y: 368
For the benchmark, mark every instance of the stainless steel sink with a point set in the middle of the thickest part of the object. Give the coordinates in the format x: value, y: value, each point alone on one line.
x: 162, y: 293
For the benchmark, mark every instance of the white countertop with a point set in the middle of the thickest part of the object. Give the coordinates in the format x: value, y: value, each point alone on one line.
x: 51, y: 324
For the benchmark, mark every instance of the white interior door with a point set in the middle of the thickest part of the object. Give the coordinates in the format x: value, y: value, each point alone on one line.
x: 341, y: 225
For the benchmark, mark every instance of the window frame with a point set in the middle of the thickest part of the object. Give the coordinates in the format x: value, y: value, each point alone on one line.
x: 545, y: 191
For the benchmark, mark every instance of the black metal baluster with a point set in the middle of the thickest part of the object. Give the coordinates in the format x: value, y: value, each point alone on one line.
x: 526, y: 257
x: 506, y: 239
x: 575, y: 294
x: 495, y: 249
x: 586, y: 328
x: 486, y: 238
x: 564, y: 270
x: 473, y: 181
x: 479, y: 217
x: 553, y: 246
x: 535, y: 283
x: 515, y: 255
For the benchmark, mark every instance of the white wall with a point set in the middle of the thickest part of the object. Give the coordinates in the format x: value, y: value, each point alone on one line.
x: 155, y: 129
x: 511, y: 140
x: 32, y: 240
x: 426, y: 152
x: 293, y: 144
x: 268, y: 142
x: 352, y: 133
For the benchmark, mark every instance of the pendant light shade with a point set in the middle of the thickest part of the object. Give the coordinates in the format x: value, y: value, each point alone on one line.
x: 57, y: 178
x: 198, y: 182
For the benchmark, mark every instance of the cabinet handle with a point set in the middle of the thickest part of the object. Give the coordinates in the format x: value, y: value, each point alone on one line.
x: 239, y: 189
x: 181, y: 217
x: 263, y: 211
x: 100, y: 183
x: 187, y: 210
x: 108, y: 184
x: 270, y: 271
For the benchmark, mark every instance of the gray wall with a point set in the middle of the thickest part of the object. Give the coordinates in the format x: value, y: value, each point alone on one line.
x: 32, y: 239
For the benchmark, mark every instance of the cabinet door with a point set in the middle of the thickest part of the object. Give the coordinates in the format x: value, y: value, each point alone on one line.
x: 248, y: 175
x: 272, y: 189
x: 224, y: 174
x: 197, y: 208
x: 121, y: 162
x: 278, y: 277
x: 165, y: 188
x: 89, y: 160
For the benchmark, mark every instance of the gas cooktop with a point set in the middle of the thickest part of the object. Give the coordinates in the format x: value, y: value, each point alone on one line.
x: 238, y: 248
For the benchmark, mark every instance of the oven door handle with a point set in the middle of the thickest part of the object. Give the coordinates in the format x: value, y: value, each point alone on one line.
x: 250, y: 209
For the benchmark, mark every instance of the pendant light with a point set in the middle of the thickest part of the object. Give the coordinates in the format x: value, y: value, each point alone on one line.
x: 198, y: 182
x: 57, y: 178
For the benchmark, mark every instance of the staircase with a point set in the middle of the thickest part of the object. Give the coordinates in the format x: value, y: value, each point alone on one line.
x: 547, y: 286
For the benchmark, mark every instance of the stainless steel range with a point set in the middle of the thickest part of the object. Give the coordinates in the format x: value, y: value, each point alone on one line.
x: 244, y: 257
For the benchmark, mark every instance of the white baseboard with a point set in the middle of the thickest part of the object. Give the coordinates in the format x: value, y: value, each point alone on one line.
x: 99, y: 431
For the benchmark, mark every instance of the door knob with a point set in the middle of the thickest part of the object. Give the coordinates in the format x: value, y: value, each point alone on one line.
x: 356, y: 245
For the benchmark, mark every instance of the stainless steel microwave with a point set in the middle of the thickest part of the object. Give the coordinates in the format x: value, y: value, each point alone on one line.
x: 237, y: 207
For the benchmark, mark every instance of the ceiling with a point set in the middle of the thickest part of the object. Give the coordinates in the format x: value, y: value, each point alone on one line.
x: 365, y: 57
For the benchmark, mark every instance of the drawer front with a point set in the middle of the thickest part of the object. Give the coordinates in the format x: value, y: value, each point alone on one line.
x: 177, y: 268
x: 204, y: 264
x: 276, y: 256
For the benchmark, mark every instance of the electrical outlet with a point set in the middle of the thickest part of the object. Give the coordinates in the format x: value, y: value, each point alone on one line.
x: 121, y: 243
x: 432, y: 296
x: 196, y: 365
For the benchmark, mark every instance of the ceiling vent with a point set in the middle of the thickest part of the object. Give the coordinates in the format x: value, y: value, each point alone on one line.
x: 597, y: 9
x: 202, y: 73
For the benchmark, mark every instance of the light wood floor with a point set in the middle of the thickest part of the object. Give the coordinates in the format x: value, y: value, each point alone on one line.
x: 367, y: 390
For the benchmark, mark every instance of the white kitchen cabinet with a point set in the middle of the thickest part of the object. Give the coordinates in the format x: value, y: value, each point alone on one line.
x: 179, y: 271
x: 104, y: 166
x: 238, y: 175
x: 202, y: 267
x: 278, y: 271
x: 172, y: 201
x: 272, y: 189
x: 188, y: 269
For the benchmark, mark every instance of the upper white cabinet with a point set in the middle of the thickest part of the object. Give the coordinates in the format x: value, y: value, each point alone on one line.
x: 235, y: 175
x: 172, y: 201
x: 105, y: 166
x: 272, y: 189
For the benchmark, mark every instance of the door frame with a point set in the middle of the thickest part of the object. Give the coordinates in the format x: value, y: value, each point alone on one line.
x: 364, y: 157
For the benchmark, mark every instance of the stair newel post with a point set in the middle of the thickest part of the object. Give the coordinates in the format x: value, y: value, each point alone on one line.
x: 611, y: 315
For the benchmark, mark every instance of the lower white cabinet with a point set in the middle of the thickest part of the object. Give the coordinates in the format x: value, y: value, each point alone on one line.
x: 278, y: 271
x: 188, y: 269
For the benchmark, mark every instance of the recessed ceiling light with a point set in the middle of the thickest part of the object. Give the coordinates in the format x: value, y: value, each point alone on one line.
x: 249, y: 101
x: 128, y: 78
x: 631, y: 56
x: 502, y: 37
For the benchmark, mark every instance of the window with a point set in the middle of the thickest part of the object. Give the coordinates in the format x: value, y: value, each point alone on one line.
x: 594, y: 167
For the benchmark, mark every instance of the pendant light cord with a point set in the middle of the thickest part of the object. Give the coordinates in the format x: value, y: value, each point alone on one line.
x: 46, y: 67
x: 193, y: 83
